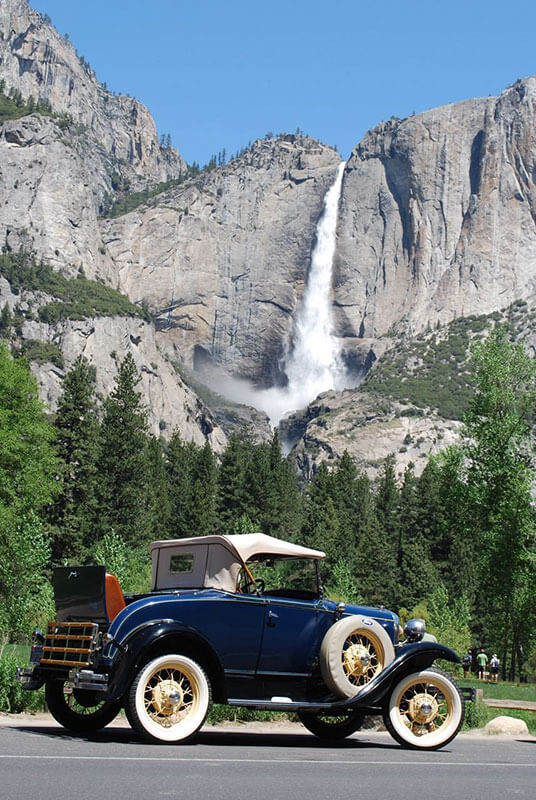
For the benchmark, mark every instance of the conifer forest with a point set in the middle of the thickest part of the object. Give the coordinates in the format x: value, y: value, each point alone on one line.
x: 455, y: 545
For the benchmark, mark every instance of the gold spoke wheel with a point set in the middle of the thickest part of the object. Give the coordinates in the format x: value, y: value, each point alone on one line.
x: 425, y: 710
x: 169, y: 699
x: 354, y: 651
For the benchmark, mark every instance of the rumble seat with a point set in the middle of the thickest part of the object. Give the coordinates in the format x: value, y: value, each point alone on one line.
x: 113, y: 593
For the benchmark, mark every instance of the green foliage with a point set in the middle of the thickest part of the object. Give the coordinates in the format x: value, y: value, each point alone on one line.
x: 506, y: 690
x: 112, y: 552
x: 122, y: 462
x: 132, y: 567
x: 221, y: 713
x: 476, y: 715
x: 202, y: 511
x: 500, y: 476
x: 12, y: 105
x: 432, y: 371
x: 42, y: 352
x: 25, y: 595
x: 127, y: 201
x: 179, y: 460
x: 13, y: 698
x: 77, y: 439
x: 28, y: 464
x: 343, y: 586
x: 76, y: 298
x: 449, y: 620
x: 6, y: 321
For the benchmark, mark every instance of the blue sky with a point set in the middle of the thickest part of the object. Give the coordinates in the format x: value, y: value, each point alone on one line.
x: 218, y: 73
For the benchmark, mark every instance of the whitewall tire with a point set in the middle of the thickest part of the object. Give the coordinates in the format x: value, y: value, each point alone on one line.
x: 425, y: 710
x: 169, y: 699
x: 354, y: 651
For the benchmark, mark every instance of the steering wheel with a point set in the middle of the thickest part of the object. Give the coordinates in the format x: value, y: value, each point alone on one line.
x: 249, y: 585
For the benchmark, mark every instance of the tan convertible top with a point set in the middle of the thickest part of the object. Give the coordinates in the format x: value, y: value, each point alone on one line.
x: 215, y: 561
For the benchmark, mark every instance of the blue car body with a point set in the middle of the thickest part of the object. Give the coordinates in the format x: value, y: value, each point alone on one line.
x: 210, y: 628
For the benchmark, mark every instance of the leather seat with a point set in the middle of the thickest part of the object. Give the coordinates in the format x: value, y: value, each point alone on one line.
x: 114, y: 597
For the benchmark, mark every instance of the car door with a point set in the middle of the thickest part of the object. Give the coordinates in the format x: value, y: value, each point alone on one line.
x: 293, y: 633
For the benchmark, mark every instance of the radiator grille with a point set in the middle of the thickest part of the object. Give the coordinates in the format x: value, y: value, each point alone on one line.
x: 69, y: 644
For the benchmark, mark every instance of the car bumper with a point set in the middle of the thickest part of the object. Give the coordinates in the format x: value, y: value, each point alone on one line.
x: 27, y: 678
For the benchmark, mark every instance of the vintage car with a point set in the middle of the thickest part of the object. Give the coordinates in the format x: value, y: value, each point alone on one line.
x: 240, y: 620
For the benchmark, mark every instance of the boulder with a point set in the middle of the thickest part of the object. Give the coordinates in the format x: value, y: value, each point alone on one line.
x: 509, y: 726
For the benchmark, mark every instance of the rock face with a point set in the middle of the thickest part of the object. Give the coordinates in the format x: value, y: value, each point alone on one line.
x: 58, y: 170
x: 55, y: 172
x: 438, y: 216
x: 437, y: 220
x: 369, y: 430
x: 39, y: 62
x: 224, y: 260
x: 104, y: 342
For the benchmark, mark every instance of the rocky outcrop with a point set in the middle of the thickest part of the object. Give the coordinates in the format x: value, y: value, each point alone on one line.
x: 58, y: 170
x: 48, y: 203
x: 438, y: 216
x: 39, y: 62
x: 223, y: 260
x: 369, y: 429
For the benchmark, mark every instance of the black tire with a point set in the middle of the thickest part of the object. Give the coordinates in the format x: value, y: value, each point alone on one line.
x: 425, y: 710
x: 79, y: 710
x: 331, y: 726
x: 169, y: 699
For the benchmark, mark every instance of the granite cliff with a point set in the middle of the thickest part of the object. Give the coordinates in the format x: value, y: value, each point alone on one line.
x: 436, y: 222
x: 438, y: 216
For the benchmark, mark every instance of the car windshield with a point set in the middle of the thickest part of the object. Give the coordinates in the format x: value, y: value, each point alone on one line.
x: 283, y: 577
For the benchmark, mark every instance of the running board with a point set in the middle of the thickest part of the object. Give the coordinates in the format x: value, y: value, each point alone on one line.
x: 281, y: 704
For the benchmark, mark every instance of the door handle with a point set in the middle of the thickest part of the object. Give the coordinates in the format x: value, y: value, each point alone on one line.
x: 272, y: 616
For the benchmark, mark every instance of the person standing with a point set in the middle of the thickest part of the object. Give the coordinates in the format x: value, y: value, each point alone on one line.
x: 467, y: 662
x: 494, y: 666
x: 482, y: 661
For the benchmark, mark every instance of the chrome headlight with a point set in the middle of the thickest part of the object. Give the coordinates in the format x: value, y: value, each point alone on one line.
x: 415, y: 629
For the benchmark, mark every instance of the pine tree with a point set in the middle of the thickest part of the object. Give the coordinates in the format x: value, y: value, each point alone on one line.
x: 259, y: 485
x: 320, y: 522
x: 77, y: 431
x: 500, y: 477
x: 285, y: 517
x: 386, y: 507
x: 233, y: 503
x: 179, y: 467
x: 122, y: 461
x: 353, y: 504
x: 6, y: 321
x: 28, y: 462
x: 418, y: 577
x: 158, y: 500
x: 375, y: 568
x: 202, y: 511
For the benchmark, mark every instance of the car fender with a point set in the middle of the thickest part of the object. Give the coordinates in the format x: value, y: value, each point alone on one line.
x: 135, y: 649
x: 409, y: 658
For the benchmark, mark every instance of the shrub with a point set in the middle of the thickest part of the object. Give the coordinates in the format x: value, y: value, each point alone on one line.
x: 26, y: 597
x: 42, y: 352
x: 75, y: 298
x: 13, y: 698
x: 476, y: 715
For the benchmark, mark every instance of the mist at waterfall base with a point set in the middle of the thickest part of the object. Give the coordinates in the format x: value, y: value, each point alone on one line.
x: 312, y: 362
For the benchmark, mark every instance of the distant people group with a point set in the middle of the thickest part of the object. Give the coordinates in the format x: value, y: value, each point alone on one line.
x: 478, y: 661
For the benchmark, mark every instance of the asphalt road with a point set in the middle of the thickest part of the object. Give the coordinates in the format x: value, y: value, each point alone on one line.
x: 41, y: 761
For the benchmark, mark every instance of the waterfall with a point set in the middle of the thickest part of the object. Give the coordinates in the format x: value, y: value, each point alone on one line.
x: 312, y: 361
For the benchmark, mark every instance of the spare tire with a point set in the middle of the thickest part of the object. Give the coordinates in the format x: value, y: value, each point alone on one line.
x: 353, y: 652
